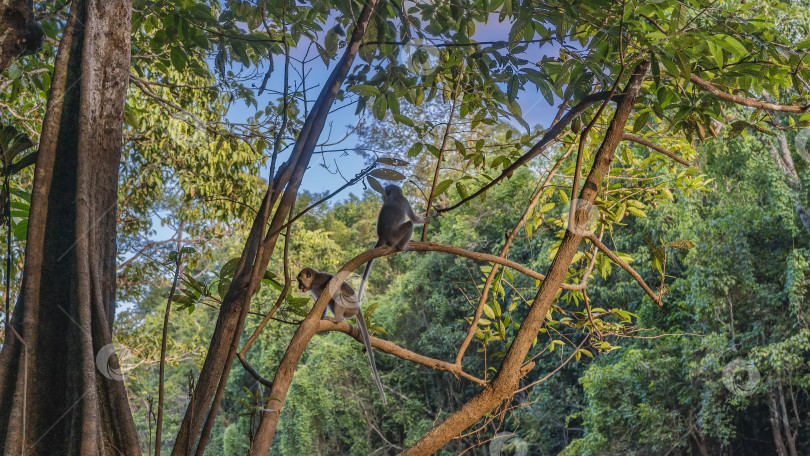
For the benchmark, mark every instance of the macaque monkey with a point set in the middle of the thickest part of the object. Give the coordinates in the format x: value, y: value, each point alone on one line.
x: 394, y: 225
x: 344, y: 304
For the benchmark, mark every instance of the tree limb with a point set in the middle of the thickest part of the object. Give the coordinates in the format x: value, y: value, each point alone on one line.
x: 744, y: 101
x: 394, y: 349
x: 655, y: 147
x: 615, y: 258
x: 541, y: 145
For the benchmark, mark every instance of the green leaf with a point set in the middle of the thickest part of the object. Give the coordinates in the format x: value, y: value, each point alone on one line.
x: 546, y: 207
x: 489, y: 312
x: 415, y: 149
x: 392, y: 161
x: 20, y: 230
x: 716, y: 52
x: 222, y: 287
x: 364, y: 90
x: 178, y: 58
x: 641, y: 121
x: 682, y: 244
x: 380, y: 107
x: 403, y: 120
x: 442, y: 187
x: 387, y: 174
x: 375, y: 184
x: 228, y: 269
x: 734, y: 46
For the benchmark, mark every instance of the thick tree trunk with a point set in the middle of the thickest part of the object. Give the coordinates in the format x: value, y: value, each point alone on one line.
x: 60, y: 388
x: 508, y: 376
x: 20, y: 33
x: 202, y: 409
x: 776, y: 429
x: 306, y: 144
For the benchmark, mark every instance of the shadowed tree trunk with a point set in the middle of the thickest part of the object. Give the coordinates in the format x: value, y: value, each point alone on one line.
x: 61, y: 391
x: 202, y: 410
x: 20, y: 33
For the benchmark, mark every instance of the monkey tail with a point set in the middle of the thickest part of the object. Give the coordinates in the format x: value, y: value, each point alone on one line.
x: 366, y: 273
x: 361, y: 323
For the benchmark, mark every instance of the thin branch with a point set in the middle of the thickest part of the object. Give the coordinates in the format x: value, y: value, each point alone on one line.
x: 357, y: 178
x: 554, y: 371
x: 441, y: 152
x: 164, y: 335
x: 541, y: 145
x: 396, y: 350
x: 655, y: 147
x: 504, y: 250
x: 744, y: 101
x: 615, y: 258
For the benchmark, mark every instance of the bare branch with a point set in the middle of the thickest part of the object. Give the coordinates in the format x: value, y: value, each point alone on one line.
x: 744, y: 101
x: 394, y: 349
x: 541, y: 145
x: 615, y: 258
x: 504, y: 250
x: 655, y: 147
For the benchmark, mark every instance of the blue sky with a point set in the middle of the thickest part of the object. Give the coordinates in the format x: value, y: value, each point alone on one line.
x: 536, y: 111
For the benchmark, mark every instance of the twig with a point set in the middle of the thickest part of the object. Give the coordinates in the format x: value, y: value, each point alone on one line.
x: 541, y: 145
x: 615, y: 258
x: 441, y: 151
x: 655, y: 147
x: 178, y: 261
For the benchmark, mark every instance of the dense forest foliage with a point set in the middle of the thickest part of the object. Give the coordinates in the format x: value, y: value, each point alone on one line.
x: 624, y: 273
x: 736, y: 297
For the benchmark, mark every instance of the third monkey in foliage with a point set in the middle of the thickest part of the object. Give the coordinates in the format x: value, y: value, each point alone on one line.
x: 394, y: 225
x: 344, y: 304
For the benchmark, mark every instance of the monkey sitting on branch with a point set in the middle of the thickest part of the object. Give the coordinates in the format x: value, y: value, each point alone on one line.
x: 395, y: 224
x: 344, y: 304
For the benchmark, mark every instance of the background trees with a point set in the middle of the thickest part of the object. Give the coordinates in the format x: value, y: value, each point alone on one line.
x: 222, y: 93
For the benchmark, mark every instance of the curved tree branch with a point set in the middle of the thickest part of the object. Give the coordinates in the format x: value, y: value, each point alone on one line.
x: 544, y: 142
x: 615, y: 258
x: 394, y: 349
x: 655, y: 147
x: 750, y: 102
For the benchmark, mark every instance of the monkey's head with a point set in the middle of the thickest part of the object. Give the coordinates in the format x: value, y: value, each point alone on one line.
x: 305, y: 278
x: 392, y: 191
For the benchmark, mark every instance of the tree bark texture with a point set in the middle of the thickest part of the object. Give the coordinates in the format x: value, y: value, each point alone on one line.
x: 257, y: 252
x: 302, y: 154
x: 20, y: 33
x: 61, y: 391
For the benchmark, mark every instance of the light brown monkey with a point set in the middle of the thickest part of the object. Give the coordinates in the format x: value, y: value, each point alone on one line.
x: 395, y: 224
x: 344, y: 304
